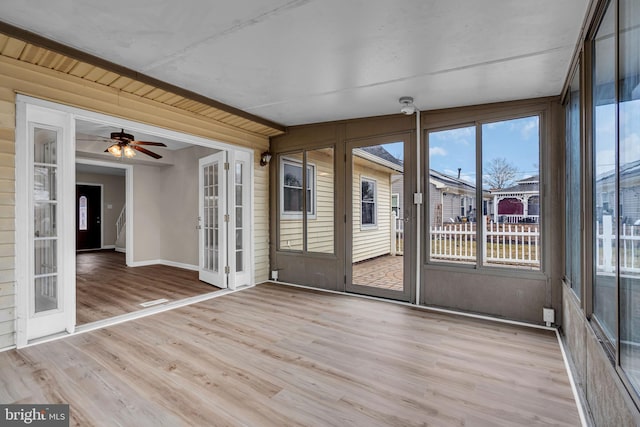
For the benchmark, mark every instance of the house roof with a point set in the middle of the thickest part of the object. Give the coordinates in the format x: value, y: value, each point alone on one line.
x: 526, y: 185
x: 450, y: 181
x: 381, y: 152
x: 380, y: 156
x: 627, y: 170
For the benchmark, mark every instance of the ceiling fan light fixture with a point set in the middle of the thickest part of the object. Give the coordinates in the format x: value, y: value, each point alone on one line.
x: 115, y: 150
x: 129, y: 152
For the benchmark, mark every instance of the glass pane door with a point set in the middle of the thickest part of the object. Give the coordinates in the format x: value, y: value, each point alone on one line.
x: 379, y: 213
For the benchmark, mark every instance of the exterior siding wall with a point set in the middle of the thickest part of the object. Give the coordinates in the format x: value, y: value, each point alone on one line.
x: 375, y: 241
x: 320, y: 229
x: 320, y: 224
x: 7, y: 217
x: 43, y: 83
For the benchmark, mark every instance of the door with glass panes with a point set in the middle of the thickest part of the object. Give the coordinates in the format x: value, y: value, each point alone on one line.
x: 379, y: 215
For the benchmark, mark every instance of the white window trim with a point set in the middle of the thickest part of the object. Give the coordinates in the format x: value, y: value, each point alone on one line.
x: 373, y: 226
x: 288, y: 215
x: 397, y: 206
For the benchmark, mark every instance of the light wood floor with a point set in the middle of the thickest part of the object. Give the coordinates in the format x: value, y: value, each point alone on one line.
x: 281, y: 356
x: 106, y: 287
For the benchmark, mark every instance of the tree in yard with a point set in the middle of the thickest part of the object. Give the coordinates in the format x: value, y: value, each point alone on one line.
x: 499, y: 173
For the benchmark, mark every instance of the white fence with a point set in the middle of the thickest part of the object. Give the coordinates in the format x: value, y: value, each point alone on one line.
x: 607, y: 242
x: 397, y: 235
x: 510, y: 244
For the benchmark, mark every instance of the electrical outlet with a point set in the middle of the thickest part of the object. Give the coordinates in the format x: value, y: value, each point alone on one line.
x: 548, y: 316
x: 274, y: 275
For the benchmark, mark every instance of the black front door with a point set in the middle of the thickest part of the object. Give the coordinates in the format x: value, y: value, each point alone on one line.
x: 88, y: 208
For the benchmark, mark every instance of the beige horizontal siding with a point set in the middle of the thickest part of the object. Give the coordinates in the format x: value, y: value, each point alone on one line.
x: 7, y: 217
x: 320, y: 226
x: 376, y: 241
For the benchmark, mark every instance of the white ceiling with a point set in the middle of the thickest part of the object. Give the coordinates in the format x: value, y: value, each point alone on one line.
x: 304, y: 61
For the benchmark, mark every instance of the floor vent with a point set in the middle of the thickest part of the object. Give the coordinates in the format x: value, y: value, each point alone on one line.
x: 154, y: 302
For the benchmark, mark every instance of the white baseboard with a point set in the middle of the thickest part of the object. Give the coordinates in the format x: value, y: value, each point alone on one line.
x: 164, y: 262
x: 179, y: 265
x: 123, y: 250
x: 109, y: 247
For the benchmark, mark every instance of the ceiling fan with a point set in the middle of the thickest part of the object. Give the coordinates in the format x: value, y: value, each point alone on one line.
x: 126, y: 145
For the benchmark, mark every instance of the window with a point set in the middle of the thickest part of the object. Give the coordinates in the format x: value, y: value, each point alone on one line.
x: 395, y: 204
x: 604, y: 176
x: 629, y: 189
x: 506, y: 233
x: 368, y: 214
x: 292, y: 193
x: 452, y: 186
x: 313, y: 230
x: 573, y: 200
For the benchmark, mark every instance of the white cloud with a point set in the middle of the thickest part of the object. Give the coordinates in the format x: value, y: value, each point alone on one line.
x: 605, y: 161
x: 525, y: 127
x: 463, y: 136
x: 630, y: 148
x: 437, y: 151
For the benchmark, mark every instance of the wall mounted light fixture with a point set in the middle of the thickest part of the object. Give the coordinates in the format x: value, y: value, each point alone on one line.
x: 265, y: 158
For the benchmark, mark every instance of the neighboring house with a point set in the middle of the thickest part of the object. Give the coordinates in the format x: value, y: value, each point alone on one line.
x: 453, y: 199
x: 373, y: 171
x: 518, y: 203
x: 629, y: 175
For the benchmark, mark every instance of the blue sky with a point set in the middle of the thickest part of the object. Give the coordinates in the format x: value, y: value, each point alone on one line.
x: 515, y: 140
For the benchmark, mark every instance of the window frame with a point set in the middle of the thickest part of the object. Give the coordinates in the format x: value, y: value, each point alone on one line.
x: 477, y: 123
x: 311, y: 207
x: 374, y: 225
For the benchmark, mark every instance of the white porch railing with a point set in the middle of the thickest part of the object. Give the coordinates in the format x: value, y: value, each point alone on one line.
x: 508, y: 244
x: 397, y: 235
x: 518, y: 219
x: 606, y: 247
x: 121, y: 222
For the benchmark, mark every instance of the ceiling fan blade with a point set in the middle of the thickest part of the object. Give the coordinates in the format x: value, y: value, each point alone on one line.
x: 97, y: 139
x: 147, y: 152
x: 157, y: 144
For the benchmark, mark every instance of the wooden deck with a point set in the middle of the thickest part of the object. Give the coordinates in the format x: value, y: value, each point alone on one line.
x: 106, y: 287
x: 281, y: 356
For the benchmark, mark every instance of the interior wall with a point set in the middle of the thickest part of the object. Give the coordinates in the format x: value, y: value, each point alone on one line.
x: 179, y: 206
x: 147, y: 207
x: 113, y: 200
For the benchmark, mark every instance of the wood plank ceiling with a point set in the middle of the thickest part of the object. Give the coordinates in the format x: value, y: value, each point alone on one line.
x: 23, y: 51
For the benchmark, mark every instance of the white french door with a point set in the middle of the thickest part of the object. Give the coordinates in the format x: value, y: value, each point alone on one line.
x: 213, y: 267
x: 225, y: 219
x: 46, y: 283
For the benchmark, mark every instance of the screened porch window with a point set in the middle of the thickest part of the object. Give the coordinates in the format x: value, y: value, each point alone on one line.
x: 368, y: 202
x: 292, y: 189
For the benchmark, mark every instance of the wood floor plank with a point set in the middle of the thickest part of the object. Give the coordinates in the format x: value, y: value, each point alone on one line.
x: 280, y: 356
x: 106, y: 287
